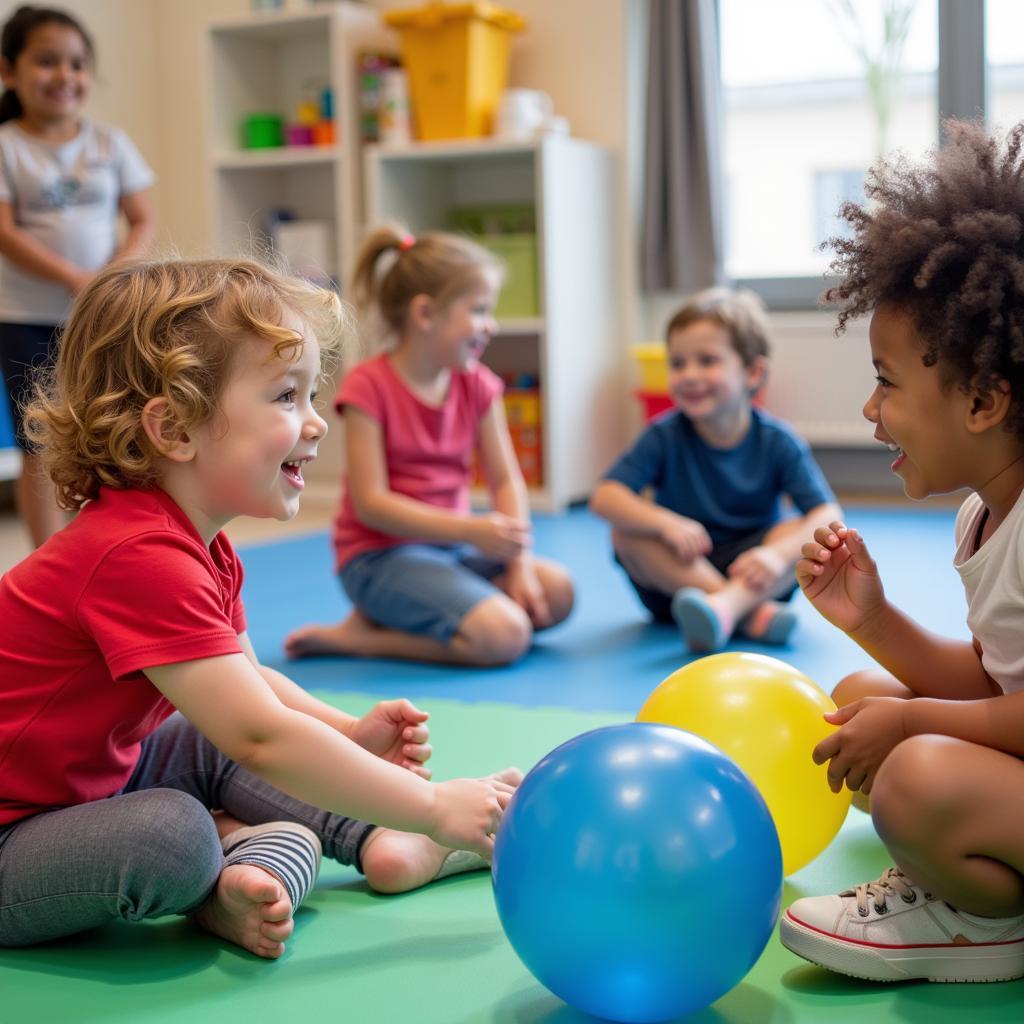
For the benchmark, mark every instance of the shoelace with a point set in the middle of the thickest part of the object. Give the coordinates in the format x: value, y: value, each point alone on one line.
x: 892, y: 883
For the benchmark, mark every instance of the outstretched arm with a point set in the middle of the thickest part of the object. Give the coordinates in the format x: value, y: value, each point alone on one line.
x: 840, y: 578
x: 229, y: 701
x: 395, y: 730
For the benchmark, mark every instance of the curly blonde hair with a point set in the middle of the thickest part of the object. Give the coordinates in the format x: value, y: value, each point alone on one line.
x: 170, y: 329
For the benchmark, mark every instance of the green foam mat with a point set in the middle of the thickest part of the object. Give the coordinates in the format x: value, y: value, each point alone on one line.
x: 438, y: 955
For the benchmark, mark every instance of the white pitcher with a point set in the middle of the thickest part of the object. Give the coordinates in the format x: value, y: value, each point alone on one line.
x: 522, y: 114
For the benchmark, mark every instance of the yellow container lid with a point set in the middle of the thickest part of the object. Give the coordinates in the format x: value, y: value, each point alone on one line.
x: 433, y: 14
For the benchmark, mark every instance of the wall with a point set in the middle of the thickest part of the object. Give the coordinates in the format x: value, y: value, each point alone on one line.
x: 588, y: 54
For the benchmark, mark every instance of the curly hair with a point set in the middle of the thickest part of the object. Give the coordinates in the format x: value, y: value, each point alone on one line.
x: 441, y: 265
x: 943, y: 240
x: 158, y: 329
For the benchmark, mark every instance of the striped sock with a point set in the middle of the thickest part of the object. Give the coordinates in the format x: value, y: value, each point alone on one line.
x: 290, y: 850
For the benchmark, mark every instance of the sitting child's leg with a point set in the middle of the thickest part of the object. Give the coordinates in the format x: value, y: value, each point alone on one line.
x: 421, y: 603
x: 268, y: 871
x: 954, y: 911
x: 130, y: 857
x: 398, y: 861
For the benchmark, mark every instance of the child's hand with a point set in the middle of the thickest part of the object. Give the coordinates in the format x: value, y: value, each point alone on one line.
x: 869, y: 729
x: 839, y: 577
x: 524, y: 587
x: 395, y: 730
x: 759, y: 569
x: 499, y: 535
x: 467, y: 813
x: 686, y: 538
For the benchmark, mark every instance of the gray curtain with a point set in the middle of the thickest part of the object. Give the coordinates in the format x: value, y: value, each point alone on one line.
x: 682, y: 235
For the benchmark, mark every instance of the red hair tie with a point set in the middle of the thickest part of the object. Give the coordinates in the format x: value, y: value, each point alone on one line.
x: 406, y: 243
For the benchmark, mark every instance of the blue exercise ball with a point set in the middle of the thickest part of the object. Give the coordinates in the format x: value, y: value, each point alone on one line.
x: 637, y: 872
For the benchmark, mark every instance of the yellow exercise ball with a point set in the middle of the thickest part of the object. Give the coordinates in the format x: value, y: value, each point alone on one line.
x: 767, y: 717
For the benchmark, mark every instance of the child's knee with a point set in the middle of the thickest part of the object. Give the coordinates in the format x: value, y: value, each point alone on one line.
x: 498, y: 631
x: 176, y: 856
x: 911, y: 793
x: 561, y: 595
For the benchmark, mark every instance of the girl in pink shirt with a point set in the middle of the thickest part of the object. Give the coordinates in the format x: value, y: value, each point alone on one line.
x: 430, y: 579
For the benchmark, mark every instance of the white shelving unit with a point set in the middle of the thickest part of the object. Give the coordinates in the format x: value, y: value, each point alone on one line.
x: 264, y: 62
x: 573, y: 346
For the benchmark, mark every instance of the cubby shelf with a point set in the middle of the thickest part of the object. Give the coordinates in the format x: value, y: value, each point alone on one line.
x: 572, y: 346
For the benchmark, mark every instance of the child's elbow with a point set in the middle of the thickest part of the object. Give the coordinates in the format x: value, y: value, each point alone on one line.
x: 598, y: 500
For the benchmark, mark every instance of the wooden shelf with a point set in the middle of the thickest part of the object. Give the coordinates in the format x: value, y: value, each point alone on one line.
x: 283, y: 156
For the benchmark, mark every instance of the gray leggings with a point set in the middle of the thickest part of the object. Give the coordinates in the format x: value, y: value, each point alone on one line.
x: 151, y: 849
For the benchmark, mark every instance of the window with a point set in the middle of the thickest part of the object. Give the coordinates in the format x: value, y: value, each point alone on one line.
x: 813, y: 91
x: 1004, y: 63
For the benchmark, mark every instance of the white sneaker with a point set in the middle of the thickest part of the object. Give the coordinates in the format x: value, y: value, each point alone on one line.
x: 892, y: 930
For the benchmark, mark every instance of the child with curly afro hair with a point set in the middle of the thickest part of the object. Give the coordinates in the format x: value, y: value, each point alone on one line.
x: 935, y: 734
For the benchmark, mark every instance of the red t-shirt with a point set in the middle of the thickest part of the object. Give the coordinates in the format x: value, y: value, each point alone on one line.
x: 428, y: 449
x: 127, y: 585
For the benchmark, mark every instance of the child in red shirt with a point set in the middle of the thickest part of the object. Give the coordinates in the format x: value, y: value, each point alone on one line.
x: 183, y: 397
x: 429, y: 579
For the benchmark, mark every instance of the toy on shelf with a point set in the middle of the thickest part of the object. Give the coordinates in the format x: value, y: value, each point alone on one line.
x: 314, y: 117
x: 372, y: 67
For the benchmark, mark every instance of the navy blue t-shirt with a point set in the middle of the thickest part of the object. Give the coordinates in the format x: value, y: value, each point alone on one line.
x: 732, y: 492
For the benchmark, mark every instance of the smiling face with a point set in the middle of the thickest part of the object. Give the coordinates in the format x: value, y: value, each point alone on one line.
x: 920, y: 420
x: 464, y: 327
x: 706, y: 376
x: 52, y: 74
x: 249, y: 457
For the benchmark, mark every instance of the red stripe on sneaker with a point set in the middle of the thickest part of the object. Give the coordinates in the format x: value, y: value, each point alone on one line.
x: 910, y: 945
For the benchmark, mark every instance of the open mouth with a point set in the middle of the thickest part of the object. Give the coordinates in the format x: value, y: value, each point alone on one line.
x: 901, y: 455
x: 293, y: 473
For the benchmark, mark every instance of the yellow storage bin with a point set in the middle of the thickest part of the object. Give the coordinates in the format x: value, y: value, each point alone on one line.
x: 652, y: 360
x: 456, y: 57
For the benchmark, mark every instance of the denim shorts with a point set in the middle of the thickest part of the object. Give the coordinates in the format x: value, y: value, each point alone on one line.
x: 721, y: 557
x: 425, y: 589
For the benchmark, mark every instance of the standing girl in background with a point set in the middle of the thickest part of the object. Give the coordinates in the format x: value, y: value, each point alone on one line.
x: 63, y: 181
x: 430, y: 580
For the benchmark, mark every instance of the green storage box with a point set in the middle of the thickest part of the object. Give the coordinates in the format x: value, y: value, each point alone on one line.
x: 508, y: 232
x: 519, y: 254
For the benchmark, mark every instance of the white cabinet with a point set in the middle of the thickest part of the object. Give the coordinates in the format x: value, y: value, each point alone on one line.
x: 270, y: 62
x: 573, y: 345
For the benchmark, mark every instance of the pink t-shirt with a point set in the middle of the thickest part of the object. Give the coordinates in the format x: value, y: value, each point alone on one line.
x: 428, y: 449
x: 128, y: 584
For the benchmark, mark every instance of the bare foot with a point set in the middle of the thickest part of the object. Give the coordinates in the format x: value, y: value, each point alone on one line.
x: 350, y: 636
x: 250, y: 908
x: 399, y: 861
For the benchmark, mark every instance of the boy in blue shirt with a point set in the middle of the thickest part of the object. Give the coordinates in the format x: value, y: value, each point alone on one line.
x: 714, y: 551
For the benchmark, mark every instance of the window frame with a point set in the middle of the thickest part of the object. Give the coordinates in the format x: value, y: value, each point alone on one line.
x: 961, y: 94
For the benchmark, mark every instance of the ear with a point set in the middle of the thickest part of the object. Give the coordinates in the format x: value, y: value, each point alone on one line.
x: 164, y: 432
x: 6, y: 72
x: 421, y: 313
x: 987, y: 409
x: 756, y: 374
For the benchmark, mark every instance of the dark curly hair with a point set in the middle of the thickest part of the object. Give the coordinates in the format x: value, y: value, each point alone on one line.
x: 943, y: 240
